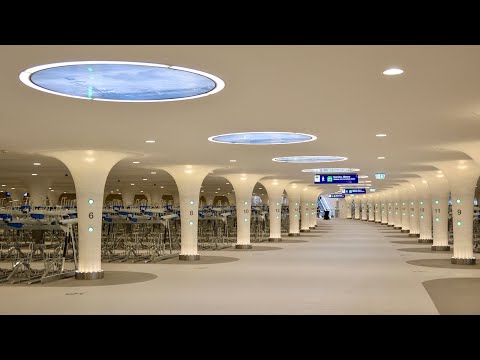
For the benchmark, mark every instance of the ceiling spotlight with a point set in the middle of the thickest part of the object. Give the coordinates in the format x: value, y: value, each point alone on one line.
x: 153, y: 172
x: 37, y: 164
x: 380, y: 157
x: 34, y: 174
x: 161, y: 187
x: 141, y: 191
x: 393, y: 71
x: 135, y: 162
x: 144, y: 179
x: 381, y: 135
x: 132, y: 184
x: 233, y: 160
x: 149, y: 141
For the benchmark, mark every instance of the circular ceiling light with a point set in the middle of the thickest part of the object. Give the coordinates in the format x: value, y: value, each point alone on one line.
x: 121, y: 81
x: 331, y: 170
x: 262, y: 138
x: 309, y: 159
x: 393, y: 71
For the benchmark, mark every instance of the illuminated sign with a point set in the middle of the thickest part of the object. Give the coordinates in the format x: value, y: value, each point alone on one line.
x: 379, y: 176
x: 336, y: 196
x: 354, y: 191
x: 336, y: 179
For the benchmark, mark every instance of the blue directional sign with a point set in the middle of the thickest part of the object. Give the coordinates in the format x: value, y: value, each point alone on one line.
x: 336, y: 179
x: 341, y: 196
x: 355, y: 191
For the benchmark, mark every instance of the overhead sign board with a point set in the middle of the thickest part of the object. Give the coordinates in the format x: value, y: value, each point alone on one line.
x: 379, y: 176
x: 354, y: 191
x: 336, y: 179
x: 341, y: 196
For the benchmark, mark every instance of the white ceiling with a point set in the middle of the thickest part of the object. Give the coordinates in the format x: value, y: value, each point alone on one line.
x: 337, y: 93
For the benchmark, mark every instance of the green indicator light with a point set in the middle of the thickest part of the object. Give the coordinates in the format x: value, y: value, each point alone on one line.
x: 459, y: 223
x: 436, y: 201
x: 437, y: 219
x: 90, y: 69
x: 90, y: 201
x: 90, y: 229
x: 458, y: 201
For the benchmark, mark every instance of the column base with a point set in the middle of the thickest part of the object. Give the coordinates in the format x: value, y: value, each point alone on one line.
x: 305, y: 230
x: 463, y: 261
x: 293, y: 234
x: 274, y: 239
x: 371, y: 220
x: 404, y: 231
x: 390, y: 225
x: 440, y: 247
x: 378, y: 222
x: 364, y: 219
x: 425, y: 241
x: 243, y: 246
x: 413, y: 235
x: 188, y: 257
x: 89, y: 275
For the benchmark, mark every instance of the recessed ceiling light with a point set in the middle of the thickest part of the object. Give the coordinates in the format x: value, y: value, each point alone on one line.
x: 393, y: 71
x: 52, y: 190
x: 117, y: 190
x: 331, y: 170
x: 121, y: 81
x: 309, y: 159
x: 161, y: 187
x: 262, y: 138
x: 135, y: 162
x: 260, y: 188
x: 144, y: 179
x: 12, y: 188
x: 37, y: 164
x: 4, y: 185
x: 381, y: 135
x: 202, y: 191
x: 216, y: 192
x: 218, y: 188
x: 149, y: 141
x: 34, y: 174
x: 233, y: 160
x: 380, y: 157
x: 141, y: 191
x: 227, y: 183
x: 132, y: 184
x: 153, y: 172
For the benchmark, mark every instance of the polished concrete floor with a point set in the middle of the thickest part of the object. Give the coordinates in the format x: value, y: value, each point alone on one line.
x: 344, y: 267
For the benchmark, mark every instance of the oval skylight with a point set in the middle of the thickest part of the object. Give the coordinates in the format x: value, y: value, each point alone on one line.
x: 121, y: 81
x: 309, y: 159
x: 331, y: 170
x: 262, y: 138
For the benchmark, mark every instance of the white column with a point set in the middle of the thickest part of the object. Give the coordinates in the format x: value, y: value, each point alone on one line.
x: 157, y: 195
x: 404, y: 196
x: 275, y: 190
x: 412, y: 206
x: 377, y: 205
x: 314, y: 194
x: 384, y: 207
x: 371, y: 207
x: 462, y: 176
x: 17, y: 196
x: 397, y: 208
x: 349, y: 200
x: 342, y: 204
x: 53, y: 197
x: 424, y: 201
x: 357, y: 204
x: 243, y: 184
x: 128, y: 195
x: 38, y: 190
x: 293, y: 192
x: 304, y: 210
x: 188, y: 178
x: 89, y: 169
x: 391, y: 208
x: 364, y: 207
